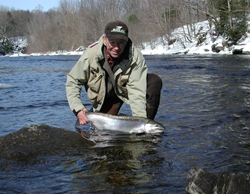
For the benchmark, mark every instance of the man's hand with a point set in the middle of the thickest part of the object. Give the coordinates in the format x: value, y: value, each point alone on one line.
x: 82, y: 117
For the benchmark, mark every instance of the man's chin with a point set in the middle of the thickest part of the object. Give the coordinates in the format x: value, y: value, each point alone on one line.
x: 114, y: 55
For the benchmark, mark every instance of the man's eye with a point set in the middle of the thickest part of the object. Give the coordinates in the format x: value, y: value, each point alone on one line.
x: 113, y: 43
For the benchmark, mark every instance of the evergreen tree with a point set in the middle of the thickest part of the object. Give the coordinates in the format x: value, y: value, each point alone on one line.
x: 6, y: 26
x: 232, y: 16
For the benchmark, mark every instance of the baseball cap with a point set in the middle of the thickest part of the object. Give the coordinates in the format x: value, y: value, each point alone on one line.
x: 116, y: 30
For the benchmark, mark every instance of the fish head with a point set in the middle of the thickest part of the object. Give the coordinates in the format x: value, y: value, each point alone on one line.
x: 153, y: 127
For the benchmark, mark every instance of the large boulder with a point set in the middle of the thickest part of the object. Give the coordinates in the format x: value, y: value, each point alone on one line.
x: 203, y: 182
x: 41, y: 140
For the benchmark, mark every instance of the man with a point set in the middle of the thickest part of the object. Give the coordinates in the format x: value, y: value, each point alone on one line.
x: 113, y: 71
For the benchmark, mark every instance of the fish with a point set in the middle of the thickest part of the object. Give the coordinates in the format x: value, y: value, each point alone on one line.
x: 123, y: 123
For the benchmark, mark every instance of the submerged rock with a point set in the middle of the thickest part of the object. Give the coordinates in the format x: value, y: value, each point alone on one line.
x: 203, y: 182
x: 41, y: 140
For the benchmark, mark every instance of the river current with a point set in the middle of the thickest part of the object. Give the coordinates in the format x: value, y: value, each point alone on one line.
x: 205, y: 108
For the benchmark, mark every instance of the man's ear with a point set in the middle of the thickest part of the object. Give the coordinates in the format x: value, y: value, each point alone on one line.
x: 104, y: 40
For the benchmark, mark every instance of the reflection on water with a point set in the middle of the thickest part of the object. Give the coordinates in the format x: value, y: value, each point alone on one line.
x: 204, y: 107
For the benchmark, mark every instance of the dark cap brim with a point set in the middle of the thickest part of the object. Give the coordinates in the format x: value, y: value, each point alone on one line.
x: 117, y: 36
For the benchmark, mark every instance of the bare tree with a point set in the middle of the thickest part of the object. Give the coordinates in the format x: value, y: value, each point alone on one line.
x: 76, y: 23
x: 6, y: 22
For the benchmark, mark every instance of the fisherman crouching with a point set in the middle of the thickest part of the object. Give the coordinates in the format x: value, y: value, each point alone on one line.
x: 113, y: 71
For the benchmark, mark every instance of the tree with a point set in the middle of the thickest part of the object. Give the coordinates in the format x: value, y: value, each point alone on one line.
x: 6, y: 25
x: 76, y: 23
x: 21, y: 19
x: 232, y: 18
x: 237, y: 16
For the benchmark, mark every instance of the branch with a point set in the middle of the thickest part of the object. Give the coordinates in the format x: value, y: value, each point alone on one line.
x: 204, y: 12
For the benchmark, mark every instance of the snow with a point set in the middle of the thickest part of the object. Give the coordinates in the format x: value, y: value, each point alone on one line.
x: 160, y: 46
x: 191, y: 46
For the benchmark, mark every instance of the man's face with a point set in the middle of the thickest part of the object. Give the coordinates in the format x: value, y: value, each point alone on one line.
x: 115, y: 47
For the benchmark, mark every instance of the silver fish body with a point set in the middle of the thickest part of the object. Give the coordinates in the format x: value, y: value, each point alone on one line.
x: 127, y: 124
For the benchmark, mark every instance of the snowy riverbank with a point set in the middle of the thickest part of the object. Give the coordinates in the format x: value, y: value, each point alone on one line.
x: 181, y: 45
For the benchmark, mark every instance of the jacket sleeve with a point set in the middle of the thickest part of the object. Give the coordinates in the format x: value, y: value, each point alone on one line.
x: 77, y: 78
x: 137, y: 86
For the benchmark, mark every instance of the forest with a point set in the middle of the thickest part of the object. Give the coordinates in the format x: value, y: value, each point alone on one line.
x: 75, y: 23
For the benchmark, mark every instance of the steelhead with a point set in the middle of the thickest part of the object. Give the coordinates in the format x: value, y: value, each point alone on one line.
x: 127, y: 124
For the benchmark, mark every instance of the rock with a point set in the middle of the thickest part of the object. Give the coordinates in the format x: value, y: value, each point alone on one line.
x: 41, y: 140
x: 215, y: 49
x: 237, y: 51
x: 200, y: 181
x: 231, y: 183
x: 203, y: 182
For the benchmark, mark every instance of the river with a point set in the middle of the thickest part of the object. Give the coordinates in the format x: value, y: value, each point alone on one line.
x: 205, y: 107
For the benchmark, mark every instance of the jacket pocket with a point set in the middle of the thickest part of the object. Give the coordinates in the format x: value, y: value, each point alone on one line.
x: 94, y: 85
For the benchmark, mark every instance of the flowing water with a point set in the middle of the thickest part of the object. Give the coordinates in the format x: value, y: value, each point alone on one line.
x: 205, y: 107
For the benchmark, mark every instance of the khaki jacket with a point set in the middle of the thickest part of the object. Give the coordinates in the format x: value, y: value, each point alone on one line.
x: 129, y: 75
